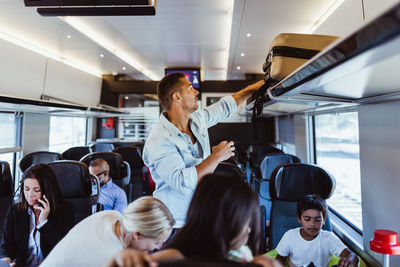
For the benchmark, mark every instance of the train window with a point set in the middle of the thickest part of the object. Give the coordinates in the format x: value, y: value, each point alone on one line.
x: 66, y: 132
x: 8, y: 130
x: 337, y: 151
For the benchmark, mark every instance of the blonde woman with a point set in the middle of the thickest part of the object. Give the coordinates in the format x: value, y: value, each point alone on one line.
x: 145, y: 225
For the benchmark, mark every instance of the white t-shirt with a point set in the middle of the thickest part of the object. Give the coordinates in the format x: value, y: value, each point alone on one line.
x: 302, y: 252
x: 92, y: 242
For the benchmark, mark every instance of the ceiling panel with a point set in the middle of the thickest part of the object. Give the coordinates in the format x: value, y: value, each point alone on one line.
x: 188, y: 33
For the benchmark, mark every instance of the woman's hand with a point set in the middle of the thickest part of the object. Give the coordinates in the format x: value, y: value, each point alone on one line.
x: 130, y: 257
x: 44, y: 209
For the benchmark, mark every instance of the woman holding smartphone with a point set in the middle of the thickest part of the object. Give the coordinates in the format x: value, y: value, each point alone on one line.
x: 35, y: 224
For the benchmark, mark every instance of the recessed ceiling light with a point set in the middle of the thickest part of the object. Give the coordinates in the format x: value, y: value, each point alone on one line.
x: 238, y: 67
x: 126, y: 97
x: 101, y: 55
x: 242, y: 54
x: 248, y: 35
x: 69, y: 36
x: 123, y: 68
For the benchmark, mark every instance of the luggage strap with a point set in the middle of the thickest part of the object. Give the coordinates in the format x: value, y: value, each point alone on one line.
x: 287, y: 51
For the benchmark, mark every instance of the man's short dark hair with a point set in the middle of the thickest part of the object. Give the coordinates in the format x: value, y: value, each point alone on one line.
x: 97, y: 162
x: 167, y: 86
x: 313, y: 202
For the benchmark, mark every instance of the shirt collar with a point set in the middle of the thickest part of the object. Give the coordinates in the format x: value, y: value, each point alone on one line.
x: 171, y: 128
x: 108, y: 184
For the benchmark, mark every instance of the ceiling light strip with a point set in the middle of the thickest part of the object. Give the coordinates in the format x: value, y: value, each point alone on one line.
x: 97, y: 37
x: 325, y: 15
x: 49, y: 54
x: 228, y: 29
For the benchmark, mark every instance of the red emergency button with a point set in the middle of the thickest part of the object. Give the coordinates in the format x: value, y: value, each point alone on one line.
x: 385, y: 242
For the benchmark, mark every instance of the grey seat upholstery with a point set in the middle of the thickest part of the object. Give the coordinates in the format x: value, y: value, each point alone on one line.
x: 289, y: 184
x: 75, y: 185
x: 38, y: 157
x: 6, y: 191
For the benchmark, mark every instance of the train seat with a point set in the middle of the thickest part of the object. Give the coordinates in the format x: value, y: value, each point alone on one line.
x: 261, y: 183
x: 119, y: 169
x: 6, y: 191
x: 102, y: 147
x: 38, y: 157
x: 229, y: 169
x: 76, y: 153
x: 139, y: 181
x: 75, y: 185
x: 288, y: 185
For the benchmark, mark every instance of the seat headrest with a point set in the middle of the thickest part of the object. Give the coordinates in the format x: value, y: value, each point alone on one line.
x: 270, y: 161
x: 75, y: 153
x: 114, y: 160
x: 5, y: 179
x: 38, y: 157
x: 102, y: 147
x: 229, y: 169
x: 290, y: 182
x: 73, y: 178
x: 131, y: 154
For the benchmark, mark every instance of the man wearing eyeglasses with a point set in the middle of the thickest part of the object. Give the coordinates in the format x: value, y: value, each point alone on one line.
x: 111, y: 195
x: 178, y: 151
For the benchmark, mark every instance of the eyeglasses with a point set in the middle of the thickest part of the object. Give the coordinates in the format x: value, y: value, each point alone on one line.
x: 105, y: 173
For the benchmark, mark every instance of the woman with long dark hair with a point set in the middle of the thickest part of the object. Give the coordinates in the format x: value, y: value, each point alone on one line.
x: 35, y: 224
x: 223, y: 217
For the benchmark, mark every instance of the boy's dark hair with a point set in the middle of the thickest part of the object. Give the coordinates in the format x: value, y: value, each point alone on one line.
x: 167, y: 86
x: 313, y: 202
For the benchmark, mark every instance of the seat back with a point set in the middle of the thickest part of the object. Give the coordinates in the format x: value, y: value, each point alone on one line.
x: 289, y: 184
x: 75, y: 153
x: 229, y: 169
x: 6, y: 191
x: 119, y: 169
x: 38, y: 157
x: 261, y: 184
x: 75, y: 185
x: 102, y: 147
x: 139, y: 180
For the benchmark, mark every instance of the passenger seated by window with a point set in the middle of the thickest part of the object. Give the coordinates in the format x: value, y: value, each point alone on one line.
x: 223, y: 217
x: 111, y: 195
x: 309, y: 245
x: 145, y: 225
x: 40, y: 219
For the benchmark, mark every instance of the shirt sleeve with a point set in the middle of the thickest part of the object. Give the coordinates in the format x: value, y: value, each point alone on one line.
x: 336, y: 245
x: 283, y: 247
x: 219, y: 111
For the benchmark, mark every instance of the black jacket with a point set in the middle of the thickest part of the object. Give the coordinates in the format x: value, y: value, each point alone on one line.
x: 14, y: 243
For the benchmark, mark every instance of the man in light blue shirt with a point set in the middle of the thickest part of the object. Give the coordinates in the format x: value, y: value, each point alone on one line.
x: 177, y: 150
x: 111, y: 195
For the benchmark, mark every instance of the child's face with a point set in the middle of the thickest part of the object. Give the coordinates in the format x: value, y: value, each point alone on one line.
x: 312, y: 221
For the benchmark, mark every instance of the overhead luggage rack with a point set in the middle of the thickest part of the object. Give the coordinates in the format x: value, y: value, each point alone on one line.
x: 362, y: 68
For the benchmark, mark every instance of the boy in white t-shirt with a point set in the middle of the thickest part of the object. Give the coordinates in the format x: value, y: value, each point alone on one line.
x: 309, y: 245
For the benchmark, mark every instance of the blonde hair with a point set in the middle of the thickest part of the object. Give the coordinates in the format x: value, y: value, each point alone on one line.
x: 148, y: 216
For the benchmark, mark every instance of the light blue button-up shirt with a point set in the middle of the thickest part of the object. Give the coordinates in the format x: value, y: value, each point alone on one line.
x: 171, y: 156
x: 113, y: 197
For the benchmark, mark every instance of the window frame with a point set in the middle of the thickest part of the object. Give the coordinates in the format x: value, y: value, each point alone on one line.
x: 312, y: 155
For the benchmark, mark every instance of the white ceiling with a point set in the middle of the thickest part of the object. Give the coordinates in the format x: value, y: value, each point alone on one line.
x: 184, y: 33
